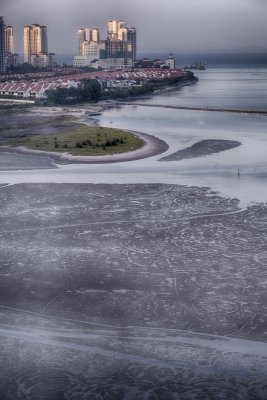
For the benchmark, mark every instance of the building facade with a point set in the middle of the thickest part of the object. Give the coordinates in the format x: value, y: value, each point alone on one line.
x: 11, y: 56
x: 131, y: 37
x: 90, y: 53
x: 81, y: 37
x: 43, y: 60
x: 9, y: 39
x: 87, y: 35
x: 170, y: 62
x: 120, y: 42
x: 2, y: 46
x: 35, y: 42
x: 90, y: 49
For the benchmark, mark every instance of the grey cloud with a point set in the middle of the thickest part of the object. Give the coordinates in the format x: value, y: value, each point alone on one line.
x: 162, y: 25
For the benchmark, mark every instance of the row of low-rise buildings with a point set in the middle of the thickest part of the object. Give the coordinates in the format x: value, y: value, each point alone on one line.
x: 118, y: 50
x: 36, y: 89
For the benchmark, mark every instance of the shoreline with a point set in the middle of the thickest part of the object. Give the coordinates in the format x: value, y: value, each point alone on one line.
x: 152, y: 147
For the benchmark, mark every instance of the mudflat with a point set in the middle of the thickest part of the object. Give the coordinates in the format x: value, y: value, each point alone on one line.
x: 110, y: 290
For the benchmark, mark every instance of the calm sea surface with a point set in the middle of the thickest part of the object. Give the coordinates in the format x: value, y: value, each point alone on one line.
x: 230, y: 88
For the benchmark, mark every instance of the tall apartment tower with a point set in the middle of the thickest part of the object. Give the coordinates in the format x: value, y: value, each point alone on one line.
x: 9, y: 39
x: 94, y: 35
x: 11, y: 56
x: 120, y: 43
x: 2, y: 46
x: 131, y: 37
x: 86, y: 35
x: 35, y: 41
x: 27, y: 44
x: 112, y: 29
x: 81, y: 36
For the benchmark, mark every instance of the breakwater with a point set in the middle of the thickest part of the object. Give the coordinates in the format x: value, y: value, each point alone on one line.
x: 261, y: 112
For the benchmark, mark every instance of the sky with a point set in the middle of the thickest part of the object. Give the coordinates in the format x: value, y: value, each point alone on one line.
x: 162, y: 25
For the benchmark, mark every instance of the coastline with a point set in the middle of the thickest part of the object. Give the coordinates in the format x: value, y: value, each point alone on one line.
x: 152, y: 147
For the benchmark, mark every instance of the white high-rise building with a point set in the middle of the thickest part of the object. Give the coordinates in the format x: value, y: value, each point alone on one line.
x: 85, y: 36
x: 123, y: 34
x: 95, y: 36
x: 120, y: 24
x: 112, y: 29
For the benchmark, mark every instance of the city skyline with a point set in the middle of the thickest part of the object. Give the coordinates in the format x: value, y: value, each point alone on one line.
x: 180, y: 26
x: 117, y: 48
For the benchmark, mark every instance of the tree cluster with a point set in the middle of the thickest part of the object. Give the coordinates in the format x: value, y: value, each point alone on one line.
x: 88, y: 90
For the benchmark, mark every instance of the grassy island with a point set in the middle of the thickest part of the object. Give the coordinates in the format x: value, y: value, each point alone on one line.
x: 75, y: 138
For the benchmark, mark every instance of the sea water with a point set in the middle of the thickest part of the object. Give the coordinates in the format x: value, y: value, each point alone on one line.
x: 240, y: 172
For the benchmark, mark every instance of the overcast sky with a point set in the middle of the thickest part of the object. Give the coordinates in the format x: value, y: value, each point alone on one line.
x: 162, y: 25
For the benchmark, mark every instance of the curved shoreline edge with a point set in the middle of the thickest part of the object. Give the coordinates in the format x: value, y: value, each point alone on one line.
x: 152, y: 147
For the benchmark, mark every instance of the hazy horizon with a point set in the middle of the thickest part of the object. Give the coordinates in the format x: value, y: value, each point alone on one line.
x: 193, y: 25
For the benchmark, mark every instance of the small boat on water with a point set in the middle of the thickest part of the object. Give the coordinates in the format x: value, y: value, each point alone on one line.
x: 198, y: 66
x: 93, y: 113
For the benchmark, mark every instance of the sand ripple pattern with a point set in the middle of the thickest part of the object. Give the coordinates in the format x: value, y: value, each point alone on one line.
x: 133, y: 383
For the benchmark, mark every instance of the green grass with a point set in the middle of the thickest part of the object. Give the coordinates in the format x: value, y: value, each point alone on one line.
x: 79, y: 140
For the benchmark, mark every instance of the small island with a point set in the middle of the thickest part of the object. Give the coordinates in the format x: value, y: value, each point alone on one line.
x: 84, y: 141
x: 68, y: 137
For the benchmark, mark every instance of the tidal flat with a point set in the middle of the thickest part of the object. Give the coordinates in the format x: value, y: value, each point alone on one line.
x: 131, y: 291
x: 143, y: 279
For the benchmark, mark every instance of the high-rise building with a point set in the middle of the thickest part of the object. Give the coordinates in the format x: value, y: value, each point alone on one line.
x: 90, y: 49
x: 9, y: 39
x: 123, y: 34
x: 11, y: 56
x: 35, y: 41
x: 112, y: 29
x: 44, y: 40
x: 90, y: 53
x: 86, y: 35
x: 2, y: 46
x: 131, y: 37
x: 118, y: 49
x: 27, y: 44
x: 38, y: 39
x: 43, y: 60
x: 120, y: 43
x: 81, y: 36
x: 94, y: 35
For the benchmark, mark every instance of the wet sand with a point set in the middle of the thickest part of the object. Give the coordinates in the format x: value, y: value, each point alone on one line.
x: 131, y: 291
x: 201, y: 149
